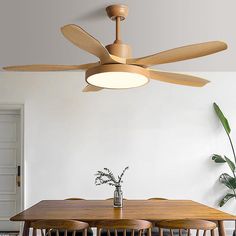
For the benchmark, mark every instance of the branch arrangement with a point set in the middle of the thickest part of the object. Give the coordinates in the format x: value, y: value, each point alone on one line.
x: 107, y: 177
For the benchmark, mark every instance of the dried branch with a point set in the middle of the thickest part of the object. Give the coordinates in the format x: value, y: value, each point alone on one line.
x: 107, y: 177
x: 122, y: 174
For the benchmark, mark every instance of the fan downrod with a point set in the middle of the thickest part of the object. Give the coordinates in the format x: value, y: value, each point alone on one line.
x: 118, y: 13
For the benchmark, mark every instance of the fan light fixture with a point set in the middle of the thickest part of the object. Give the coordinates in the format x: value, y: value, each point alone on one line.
x: 117, y: 76
x: 117, y: 68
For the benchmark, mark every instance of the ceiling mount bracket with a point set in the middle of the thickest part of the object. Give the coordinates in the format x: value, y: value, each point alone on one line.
x: 115, y: 11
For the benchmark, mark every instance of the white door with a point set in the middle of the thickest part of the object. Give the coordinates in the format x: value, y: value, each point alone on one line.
x: 10, y: 153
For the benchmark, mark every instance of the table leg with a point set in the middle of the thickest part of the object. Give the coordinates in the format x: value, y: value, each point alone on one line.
x: 221, y: 228
x: 26, y: 228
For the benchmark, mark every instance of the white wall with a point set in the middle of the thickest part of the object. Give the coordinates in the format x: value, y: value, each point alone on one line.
x: 165, y: 133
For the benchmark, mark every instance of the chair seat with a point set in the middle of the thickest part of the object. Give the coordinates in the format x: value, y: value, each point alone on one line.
x: 69, y: 233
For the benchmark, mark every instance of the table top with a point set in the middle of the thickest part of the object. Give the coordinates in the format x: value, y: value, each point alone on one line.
x: 92, y: 211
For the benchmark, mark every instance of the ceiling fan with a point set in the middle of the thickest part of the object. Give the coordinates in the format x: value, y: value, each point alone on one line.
x: 116, y: 68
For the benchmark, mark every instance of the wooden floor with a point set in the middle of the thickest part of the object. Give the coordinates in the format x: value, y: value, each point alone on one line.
x: 9, y: 233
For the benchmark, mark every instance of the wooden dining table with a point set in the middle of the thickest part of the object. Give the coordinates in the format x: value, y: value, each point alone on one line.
x: 95, y: 211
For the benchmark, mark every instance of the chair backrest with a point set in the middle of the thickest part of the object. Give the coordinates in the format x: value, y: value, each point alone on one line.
x: 111, y: 198
x: 74, y: 198
x: 198, y: 225
x: 132, y: 225
x: 46, y: 226
x: 157, y: 198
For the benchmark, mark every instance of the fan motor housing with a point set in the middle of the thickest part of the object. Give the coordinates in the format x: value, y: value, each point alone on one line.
x: 119, y: 50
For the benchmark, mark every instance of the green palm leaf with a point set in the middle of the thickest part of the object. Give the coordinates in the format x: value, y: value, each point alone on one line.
x: 226, y: 198
x: 230, y: 164
x: 228, y: 181
x: 218, y: 158
x: 222, y: 118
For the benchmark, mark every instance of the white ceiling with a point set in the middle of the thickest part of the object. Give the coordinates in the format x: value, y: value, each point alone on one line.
x: 30, y: 30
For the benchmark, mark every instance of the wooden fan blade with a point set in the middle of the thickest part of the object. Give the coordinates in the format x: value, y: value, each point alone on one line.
x: 175, y: 78
x: 91, y: 88
x: 85, y: 41
x: 180, y: 54
x: 51, y: 67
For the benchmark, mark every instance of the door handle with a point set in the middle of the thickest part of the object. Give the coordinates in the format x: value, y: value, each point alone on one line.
x: 18, y: 176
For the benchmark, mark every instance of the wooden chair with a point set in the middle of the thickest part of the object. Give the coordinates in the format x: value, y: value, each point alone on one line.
x: 155, y: 231
x: 59, y: 227
x: 74, y: 198
x: 157, y: 198
x: 111, y: 198
x: 188, y: 225
x: 124, y: 228
x: 89, y: 231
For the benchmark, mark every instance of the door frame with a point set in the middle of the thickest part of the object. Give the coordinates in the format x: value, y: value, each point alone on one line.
x: 20, y: 108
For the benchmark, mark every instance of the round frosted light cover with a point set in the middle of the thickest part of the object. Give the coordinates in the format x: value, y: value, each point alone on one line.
x: 117, y: 80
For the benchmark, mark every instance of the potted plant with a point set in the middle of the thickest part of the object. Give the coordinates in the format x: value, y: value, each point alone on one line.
x: 107, y: 177
x: 229, y: 180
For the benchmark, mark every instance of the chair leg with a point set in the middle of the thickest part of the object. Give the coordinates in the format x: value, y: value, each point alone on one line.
x: 160, y: 232
x: 212, y: 232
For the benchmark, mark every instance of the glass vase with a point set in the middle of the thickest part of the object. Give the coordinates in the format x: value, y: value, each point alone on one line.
x: 118, y: 197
